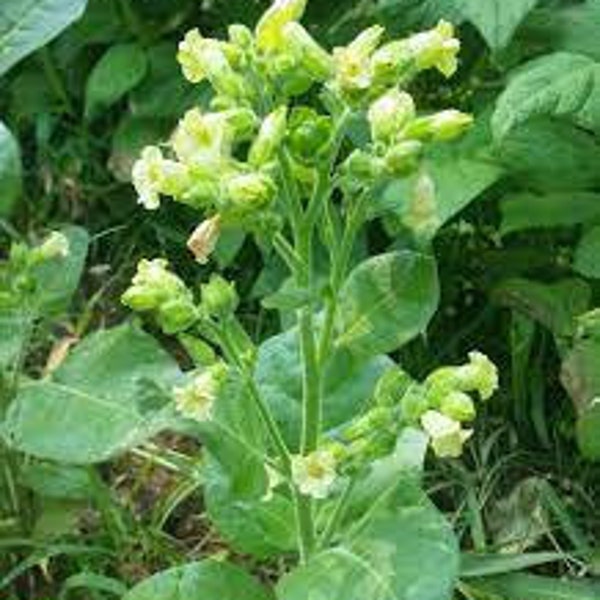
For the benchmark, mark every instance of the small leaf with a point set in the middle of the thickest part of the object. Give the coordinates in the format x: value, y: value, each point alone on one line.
x: 497, y: 20
x: 26, y: 25
x: 117, y: 72
x: 205, y: 580
x: 10, y: 171
x: 560, y: 84
x: 387, y: 301
x: 586, y: 254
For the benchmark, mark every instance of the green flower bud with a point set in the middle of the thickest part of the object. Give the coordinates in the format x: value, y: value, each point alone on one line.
x: 446, y: 435
x: 403, y: 158
x: 249, y: 191
x: 269, y: 138
x: 375, y: 419
x: 310, y: 55
x: 309, y: 134
x: 421, y: 211
x: 389, y: 114
x: 390, y: 62
x: 287, y: 74
x: 414, y: 403
x: 177, y: 314
x: 269, y: 30
x: 362, y: 166
x: 440, y: 127
x: 241, y: 36
x: 458, y: 406
x: 435, y: 48
x: 219, y: 298
x: 141, y: 299
x: 391, y: 386
x: 204, y: 238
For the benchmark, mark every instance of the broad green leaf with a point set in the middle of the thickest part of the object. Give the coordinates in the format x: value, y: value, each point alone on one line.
x: 57, y: 279
x: 524, y: 210
x: 531, y: 151
x: 205, y: 580
x: 587, y: 253
x: 25, y: 25
x: 588, y: 428
x: 15, y: 327
x: 402, y: 17
x: 521, y: 586
x: 406, y: 551
x: 461, y: 171
x: 117, y: 72
x: 554, y: 305
x: 562, y: 84
x: 496, y: 20
x: 87, y: 411
x: 10, y: 171
x: 55, y: 480
x: 349, y: 382
x: 386, y: 301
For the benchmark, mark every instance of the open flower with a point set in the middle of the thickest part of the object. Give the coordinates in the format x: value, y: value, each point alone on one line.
x: 480, y: 374
x: 389, y: 114
x: 446, y: 435
x: 196, y: 400
x: 204, y: 238
x: 314, y: 474
x: 269, y: 30
x: 435, y: 48
x: 148, y: 177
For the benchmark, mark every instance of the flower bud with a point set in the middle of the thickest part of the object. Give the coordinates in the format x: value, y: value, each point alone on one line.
x: 391, y: 386
x: 446, y: 435
x: 315, y: 473
x: 389, y: 63
x: 241, y: 36
x: 196, y: 400
x: 269, y: 30
x: 202, y: 138
x: 309, y: 134
x: 389, y: 114
x: 435, y: 48
x: 362, y: 166
x: 56, y: 245
x: 249, y: 191
x: 269, y: 138
x: 480, y: 374
x: 440, y: 127
x: 204, y: 238
x: 403, y: 158
x: 310, y: 55
x: 177, y: 314
x: 190, y: 56
x: 458, y: 406
x: 219, y: 298
x: 421, y: 212
x: 414, y: 403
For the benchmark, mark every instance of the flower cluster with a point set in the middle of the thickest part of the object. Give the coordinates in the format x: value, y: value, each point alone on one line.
x: 155, y: 289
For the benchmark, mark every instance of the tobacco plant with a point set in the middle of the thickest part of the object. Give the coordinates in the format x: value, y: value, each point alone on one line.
x: 311, y: 438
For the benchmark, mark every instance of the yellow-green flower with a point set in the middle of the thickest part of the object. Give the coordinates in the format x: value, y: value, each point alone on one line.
x: 148, y: 177
x: 315, y: 473
x: 389, y: 114
x: 196, y: 400
x: 447, y: 437
x: 269, y: 30
x: 56, y: 245
x: 436, y: 48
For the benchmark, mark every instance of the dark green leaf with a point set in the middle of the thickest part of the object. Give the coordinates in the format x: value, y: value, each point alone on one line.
x: 586, y: 261
x: 387, y: 301
x: 25, y: 25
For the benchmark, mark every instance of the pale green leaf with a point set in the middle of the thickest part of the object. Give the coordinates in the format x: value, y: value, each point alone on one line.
x: 10, y: 171
x: 562, y: 85
x: 386, y: 301
x: 25, y: 25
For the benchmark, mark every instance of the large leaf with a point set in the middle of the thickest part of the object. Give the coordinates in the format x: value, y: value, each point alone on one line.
x: 586, y: 254
x: 387, y: 301
x: 15, y: 327
x: 521, y: 586
x: 496, y: 20
x: 204, y: 580
x: 117, y: 72
x: 525, y: 210
x: 25, y: 25
x: 10, y: 170
x: 349, y: 382
x: 561, y: 84
x: 406, y: 551
x: 89, y: 409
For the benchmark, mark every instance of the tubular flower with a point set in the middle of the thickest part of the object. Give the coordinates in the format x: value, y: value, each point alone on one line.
x: 196, y: 400
x: 248, y: 192
x: 269, y: 137
x: 435, y: 48
x: 148, y: 176
x: 314, y: 474
x: 269, y: 30
x: 310, y: 55
x: 204, y: 238
x: 446, y: 435
x: 440, y: 127
x: 389, y: 114
x: 480, y: 374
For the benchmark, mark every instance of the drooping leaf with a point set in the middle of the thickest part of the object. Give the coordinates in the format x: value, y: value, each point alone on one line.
x: 26, y: 25
x: 117, y: 72
x: 496, y: 20
x: 522, y: 586
x: 586, y: 254
x: 524, y: 210
x: 349, y: 382
x: 87, y: 410
x: 387, y: 301
x: 482, y: 565
x: 199, y: 581
x: 562, y: 85
x: 10, y: 171
x: 406, y: 551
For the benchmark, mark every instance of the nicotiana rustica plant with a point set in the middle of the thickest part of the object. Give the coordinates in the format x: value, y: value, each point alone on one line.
x: 313, y: 439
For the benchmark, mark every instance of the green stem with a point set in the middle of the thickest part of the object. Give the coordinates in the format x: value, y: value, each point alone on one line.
x: 311, y: 383
x: 337, y: 515
x: 55, y: 80
x: 306, y: 529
